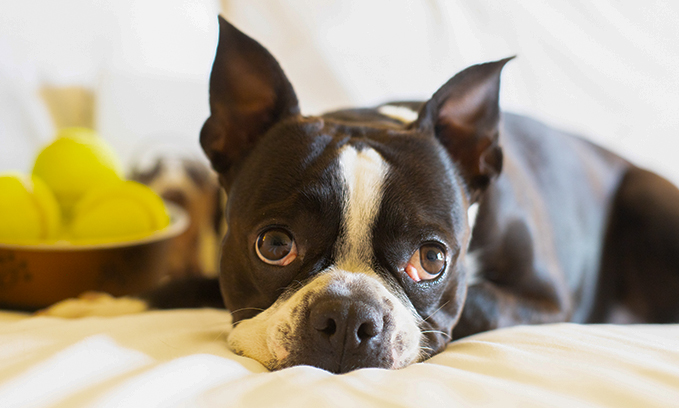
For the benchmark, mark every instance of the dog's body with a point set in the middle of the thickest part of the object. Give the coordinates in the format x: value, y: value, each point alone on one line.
x: 352, y: 241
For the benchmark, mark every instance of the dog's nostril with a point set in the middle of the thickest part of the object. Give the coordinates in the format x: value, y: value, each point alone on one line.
x: 367, y: 331
x: 330, y: 327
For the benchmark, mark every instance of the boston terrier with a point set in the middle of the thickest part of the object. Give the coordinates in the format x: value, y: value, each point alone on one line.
x: 374, y: 237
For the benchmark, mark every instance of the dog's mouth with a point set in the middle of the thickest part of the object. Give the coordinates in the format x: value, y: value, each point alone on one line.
x: 339, y: 322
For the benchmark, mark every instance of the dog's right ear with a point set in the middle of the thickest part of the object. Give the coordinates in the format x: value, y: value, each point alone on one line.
x: 249, y: 93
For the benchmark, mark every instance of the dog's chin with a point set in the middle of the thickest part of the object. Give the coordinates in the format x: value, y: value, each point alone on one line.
x: 279, y: 358
x: 288, y: 333
x: 386, y: 362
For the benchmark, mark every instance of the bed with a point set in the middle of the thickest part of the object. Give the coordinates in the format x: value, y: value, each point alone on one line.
x: 605, y: 69
x: 179, y: 358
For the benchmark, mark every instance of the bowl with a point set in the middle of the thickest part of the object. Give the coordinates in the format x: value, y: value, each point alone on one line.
x: 36, y: 276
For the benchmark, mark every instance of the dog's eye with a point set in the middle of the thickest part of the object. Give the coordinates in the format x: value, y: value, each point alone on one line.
x: 276, y: 247
x: 426, y: 263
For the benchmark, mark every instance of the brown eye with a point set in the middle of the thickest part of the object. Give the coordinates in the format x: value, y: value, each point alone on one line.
x: 432, y: 259
x: 426, y: 263
x: 275, y: 246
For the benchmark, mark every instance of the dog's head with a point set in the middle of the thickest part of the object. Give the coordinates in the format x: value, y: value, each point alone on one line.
x: 346, y: 237
x: 190, y: 184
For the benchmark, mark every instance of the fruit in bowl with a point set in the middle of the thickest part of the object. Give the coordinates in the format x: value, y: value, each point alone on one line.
x: 76, y: 161
x: 29, y: 209
x: 34, y: 276
x: 122, y: 209
x: 75, y: 225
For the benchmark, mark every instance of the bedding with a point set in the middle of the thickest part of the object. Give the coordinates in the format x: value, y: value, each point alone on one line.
x: 179, y: 359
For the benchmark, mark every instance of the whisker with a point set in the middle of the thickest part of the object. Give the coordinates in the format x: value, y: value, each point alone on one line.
x: 220, y: 334
x: 298, y: 282
x: 424, y: 353
x: 234, y: 324
x: 247, y: 308
x: 448, y: 336
x: 436, y: 311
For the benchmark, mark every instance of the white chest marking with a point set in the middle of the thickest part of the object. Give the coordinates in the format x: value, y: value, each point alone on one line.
x: 363, y: 174
x: 472, y: 261
x: 472, y: 212
x: 405, y: 115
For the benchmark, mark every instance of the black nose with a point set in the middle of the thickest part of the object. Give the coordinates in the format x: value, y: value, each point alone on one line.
x: 346, y: 334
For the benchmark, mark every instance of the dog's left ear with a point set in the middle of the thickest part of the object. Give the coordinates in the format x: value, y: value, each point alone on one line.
x: 464, y: 114
x: 249, y: 93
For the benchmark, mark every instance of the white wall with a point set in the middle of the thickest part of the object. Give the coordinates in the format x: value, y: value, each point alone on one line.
x: 606, y: 69
x: 148, y: 62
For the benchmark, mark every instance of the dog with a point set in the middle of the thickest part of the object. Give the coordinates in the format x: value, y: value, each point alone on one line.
x: 374, y: 237
x: 190, y: 184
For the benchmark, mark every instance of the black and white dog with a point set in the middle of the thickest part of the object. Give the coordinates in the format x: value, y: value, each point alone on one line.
x: 373, y: 237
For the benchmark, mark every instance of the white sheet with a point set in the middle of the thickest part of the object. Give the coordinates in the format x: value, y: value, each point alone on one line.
x: 178, y: 358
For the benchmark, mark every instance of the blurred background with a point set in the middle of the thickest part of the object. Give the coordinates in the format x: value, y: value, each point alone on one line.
x: 137, y: 70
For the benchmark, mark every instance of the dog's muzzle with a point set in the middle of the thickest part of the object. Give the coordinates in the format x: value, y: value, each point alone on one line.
x: 340, y: 321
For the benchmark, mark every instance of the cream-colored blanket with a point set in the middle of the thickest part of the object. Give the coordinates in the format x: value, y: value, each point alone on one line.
x: 179, y: 358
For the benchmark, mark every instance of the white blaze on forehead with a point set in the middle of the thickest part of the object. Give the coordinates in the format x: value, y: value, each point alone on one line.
x: 363, y: 174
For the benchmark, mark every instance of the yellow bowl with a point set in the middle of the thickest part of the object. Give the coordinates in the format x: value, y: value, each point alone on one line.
x: 36, y: 276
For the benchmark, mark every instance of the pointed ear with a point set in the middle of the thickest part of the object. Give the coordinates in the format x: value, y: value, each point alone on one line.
x: 249, y: 93
x: 464, y: 114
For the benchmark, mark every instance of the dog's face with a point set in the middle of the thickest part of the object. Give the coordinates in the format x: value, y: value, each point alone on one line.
x: 347, y: 238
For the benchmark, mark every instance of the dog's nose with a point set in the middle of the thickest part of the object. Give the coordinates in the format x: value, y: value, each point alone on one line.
x: 346, y: 334
x: 346, y: 322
